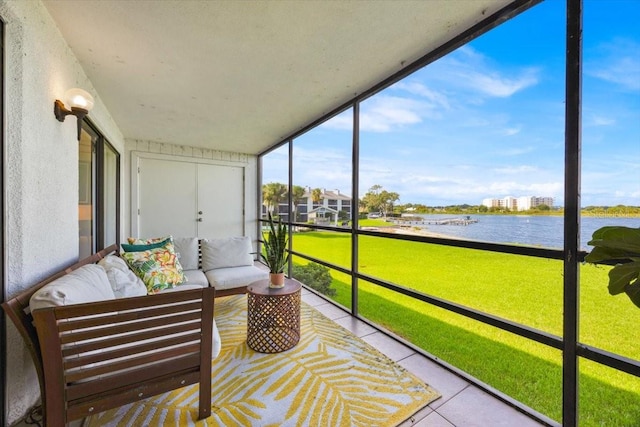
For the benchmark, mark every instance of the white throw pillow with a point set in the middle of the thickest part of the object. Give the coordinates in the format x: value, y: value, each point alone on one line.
x: 123, y: 281
x: 187, y: 251
x: 88, y: 283
x: 228, y: 252
x: 113, y: 261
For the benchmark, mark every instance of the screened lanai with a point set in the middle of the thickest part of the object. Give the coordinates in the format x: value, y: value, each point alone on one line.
x: 274, y: 92
x: 390, y: 272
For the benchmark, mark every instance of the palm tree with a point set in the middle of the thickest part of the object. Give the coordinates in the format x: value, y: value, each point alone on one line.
x: 297, y: 192
x: 316, y: 196
x: 272, y: 194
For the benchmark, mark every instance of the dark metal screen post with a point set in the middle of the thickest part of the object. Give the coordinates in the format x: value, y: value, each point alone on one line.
x: 355, y: 206
x: 259, y: 202
x: 571, y: 303
x: 289, y: 209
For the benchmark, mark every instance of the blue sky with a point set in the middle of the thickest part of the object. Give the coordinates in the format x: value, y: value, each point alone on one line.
x: 487, y: 121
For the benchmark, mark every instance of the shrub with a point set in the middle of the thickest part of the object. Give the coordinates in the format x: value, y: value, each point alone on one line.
x: 315, y: 276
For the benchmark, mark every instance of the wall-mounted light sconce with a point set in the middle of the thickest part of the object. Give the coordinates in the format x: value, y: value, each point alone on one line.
x: 80, y: 102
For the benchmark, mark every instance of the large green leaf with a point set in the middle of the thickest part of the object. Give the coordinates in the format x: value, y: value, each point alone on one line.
x: 616, y: 242
x: 619, y: 245
x: 275, y: 246
x: 622, y: 275
x: 633, y: 292
x: 600, y: 254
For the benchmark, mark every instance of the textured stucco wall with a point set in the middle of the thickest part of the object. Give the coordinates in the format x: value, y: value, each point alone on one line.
x: 41, y: 169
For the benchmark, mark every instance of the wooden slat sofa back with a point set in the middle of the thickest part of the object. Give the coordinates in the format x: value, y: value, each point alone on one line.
x: 96, y: 356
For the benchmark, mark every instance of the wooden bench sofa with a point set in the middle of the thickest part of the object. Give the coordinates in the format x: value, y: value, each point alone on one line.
x: 96, y: 356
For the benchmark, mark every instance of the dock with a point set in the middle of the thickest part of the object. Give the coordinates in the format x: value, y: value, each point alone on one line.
x: 433, y: 221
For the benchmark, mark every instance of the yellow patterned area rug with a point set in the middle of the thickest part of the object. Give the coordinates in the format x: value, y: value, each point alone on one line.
x: 331, y: 378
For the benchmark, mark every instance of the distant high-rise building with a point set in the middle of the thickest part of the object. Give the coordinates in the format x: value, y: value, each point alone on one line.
x: 523, y: 203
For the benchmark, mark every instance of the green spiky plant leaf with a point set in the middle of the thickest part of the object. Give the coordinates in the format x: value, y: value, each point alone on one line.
x: 620, y: 246
x: 274, y: 249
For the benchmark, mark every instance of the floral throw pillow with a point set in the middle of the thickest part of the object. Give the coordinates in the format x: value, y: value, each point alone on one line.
x: 158, y: 268
x: 136, y: 241
x: 145, y: 247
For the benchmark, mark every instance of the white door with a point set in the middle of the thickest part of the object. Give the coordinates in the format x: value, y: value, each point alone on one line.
x: 167, y: 198
x: 188, y: 199
x: 221, y: 201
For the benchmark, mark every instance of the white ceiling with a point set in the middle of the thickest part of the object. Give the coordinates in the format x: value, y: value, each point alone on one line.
x: 242, y: 75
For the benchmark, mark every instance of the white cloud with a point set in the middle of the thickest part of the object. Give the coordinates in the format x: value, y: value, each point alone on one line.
x: 617, y: 62
x: 517, y: 151
x: 515, y: 189
x: 498, y: 86
x: 511, y: 131
x: 553, y: 189
x: 387, y: 113
x: 449, y: 184
x: 476, y: 122
x: 382, y: 113
x: 516, y: 169
x: 465, y: 77
x: 600, y: 121
x: 470, y: 69
x: 438, y: 99
x: 343, y: 121
x: 323, y: 167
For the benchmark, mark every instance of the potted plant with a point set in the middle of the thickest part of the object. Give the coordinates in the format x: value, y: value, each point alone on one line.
x: 275, y: 251
x: 619, y: 246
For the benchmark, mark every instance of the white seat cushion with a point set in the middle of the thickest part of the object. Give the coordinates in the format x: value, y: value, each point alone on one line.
x: 235, y: 277
x: 184, y: 287
x: 196, y: 277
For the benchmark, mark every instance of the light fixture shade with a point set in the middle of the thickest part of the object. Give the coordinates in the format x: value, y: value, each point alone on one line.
x: 78, y: 98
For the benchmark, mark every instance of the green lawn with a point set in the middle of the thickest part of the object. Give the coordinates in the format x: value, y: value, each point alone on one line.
x: 524, y: 289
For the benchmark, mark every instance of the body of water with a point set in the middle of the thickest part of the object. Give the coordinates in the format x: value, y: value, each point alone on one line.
x: 545, y: 231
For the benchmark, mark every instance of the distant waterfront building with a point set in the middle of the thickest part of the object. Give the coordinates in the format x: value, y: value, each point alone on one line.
x: 510, y: 203
x: 530, y: 202
x: 329, y: 206
x: 490, y: 203
x: 332, y: 201
x: 523, y: 203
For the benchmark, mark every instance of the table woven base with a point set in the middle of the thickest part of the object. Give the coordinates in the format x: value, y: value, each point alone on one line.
x: 273, y: 323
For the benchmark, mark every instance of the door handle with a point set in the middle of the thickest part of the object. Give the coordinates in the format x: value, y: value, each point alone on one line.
x: 199, y: 212
x: 199, y: 219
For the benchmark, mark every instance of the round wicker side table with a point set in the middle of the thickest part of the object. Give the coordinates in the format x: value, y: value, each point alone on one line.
x: 273, y: 316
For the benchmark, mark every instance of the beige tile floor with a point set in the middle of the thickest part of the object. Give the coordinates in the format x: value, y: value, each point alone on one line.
x: 462, y: 404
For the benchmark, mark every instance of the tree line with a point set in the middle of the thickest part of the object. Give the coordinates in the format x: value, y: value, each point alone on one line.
x: 379, y: 200
x: 275, y: 193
